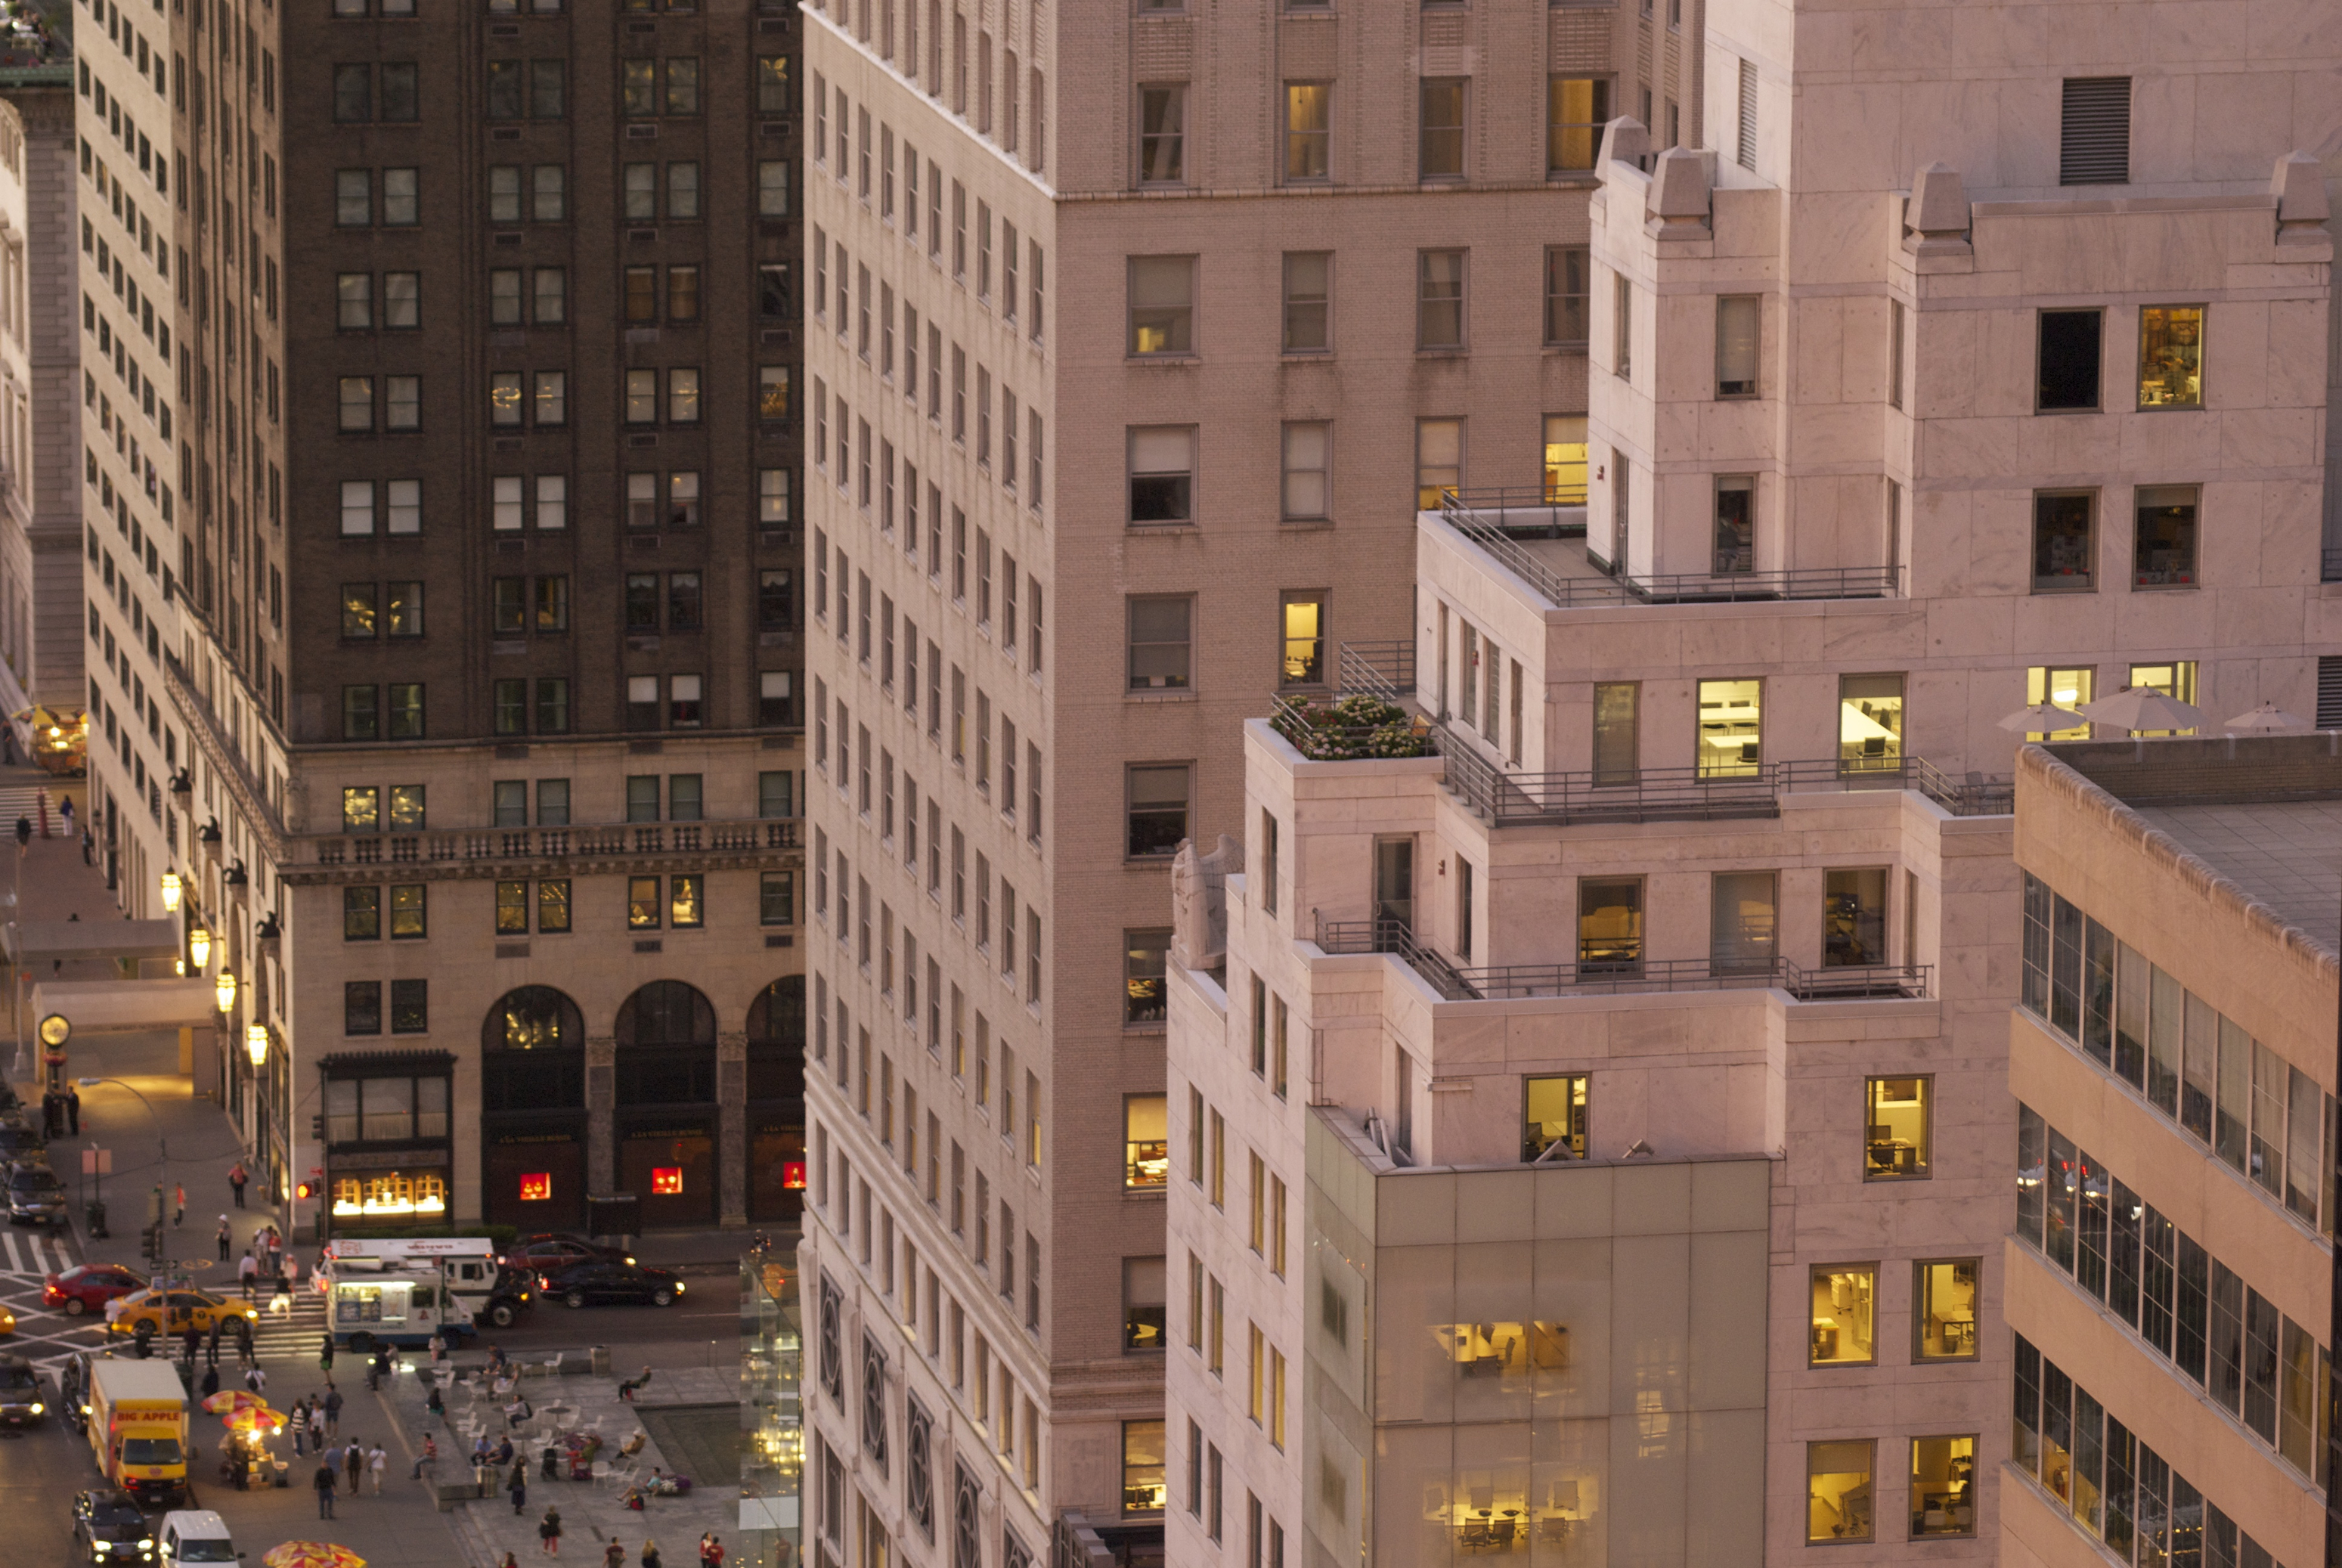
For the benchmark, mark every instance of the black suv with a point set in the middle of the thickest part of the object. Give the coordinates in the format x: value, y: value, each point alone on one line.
x: 36, y: 1196
x: 21, y: 1139
x: 21, y: 1401
x: 109, y: 1528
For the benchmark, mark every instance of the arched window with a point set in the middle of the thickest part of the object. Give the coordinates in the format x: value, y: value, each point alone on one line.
x: 533, y: 1018
x: 778, y: 1016
x: 532, y: 1052
x: 665, y: 1012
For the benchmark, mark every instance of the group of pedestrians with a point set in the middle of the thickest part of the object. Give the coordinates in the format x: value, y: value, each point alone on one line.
x: 614, y: 1551
x: 355, y: 1461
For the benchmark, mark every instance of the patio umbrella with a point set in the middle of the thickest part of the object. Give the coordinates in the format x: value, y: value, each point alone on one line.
x: 230, y: 1400
x: 258, y: 1419
x: 313, y: 1554
x: 2043, y: 719
x: 2137, y: 708
x: 2266, y: 719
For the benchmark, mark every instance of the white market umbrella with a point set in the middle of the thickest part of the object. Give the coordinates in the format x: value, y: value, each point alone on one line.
x: 2137, y: 708
x: 2266, y: 719
x: 2043, y: 719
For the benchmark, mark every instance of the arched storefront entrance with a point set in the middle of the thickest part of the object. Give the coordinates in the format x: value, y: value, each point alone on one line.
x: 532, y: 1110
x: 777, y: 1159
x: 665, y: 1105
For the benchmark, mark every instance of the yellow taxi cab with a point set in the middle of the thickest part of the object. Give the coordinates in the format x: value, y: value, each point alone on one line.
x: 173, y: 1310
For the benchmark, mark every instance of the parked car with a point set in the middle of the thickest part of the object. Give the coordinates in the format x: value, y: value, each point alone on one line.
x: 22, y: 1402
x: 19, y: 1141
x: 592, y: 1283
x: 109, y: 1528
x: 552, y: 1251
x: 36, y: 1196
x: 86, y: 1288
x: 176, y: 1310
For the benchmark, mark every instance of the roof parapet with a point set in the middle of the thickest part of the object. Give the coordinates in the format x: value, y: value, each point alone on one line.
x: 1937, y: 222
x: 1679, y: 201
x: 2298, y: 184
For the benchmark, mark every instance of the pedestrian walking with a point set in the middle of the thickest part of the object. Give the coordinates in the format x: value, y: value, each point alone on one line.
x: 255, y: 1378
x: 300, y: 1426
x: 353, y: 1458
x: 210, y: 1384
x: 236, y: 1177
x: 247, y: 1271
x: 73, y: 1110
x: 332, y: 1410
x: 332, y: 1455
x: 326, y: 1357
x: 179, y: 1202
x: 323, y: 1481
x: 711, y: 1550
x: 650, y: 1554
x: 226, y: 1238
x: 548, y: 1532
x: 614, y: 1555
x: 320, y: 1425
x: 375, y: 1460
x: 65, y: 811
x: 194, y: 1343
x: 516, y: 1488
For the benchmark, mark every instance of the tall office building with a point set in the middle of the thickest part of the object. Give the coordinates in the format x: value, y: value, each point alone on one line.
x: 1134, y: 336
x: 1593, y: 1142
x: 2170, y: 1275
x: 439, y: 458
x: 40, y: 493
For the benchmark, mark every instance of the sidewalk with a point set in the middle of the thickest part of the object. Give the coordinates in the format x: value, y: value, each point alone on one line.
x: 694, y: 1411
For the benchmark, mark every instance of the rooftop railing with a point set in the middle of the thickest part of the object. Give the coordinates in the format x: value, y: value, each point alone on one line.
x: 1491, y: 533
x: 1688, y: 795
x: 1613, y: 976
x: 1386, y: 670
x: 627, y: 839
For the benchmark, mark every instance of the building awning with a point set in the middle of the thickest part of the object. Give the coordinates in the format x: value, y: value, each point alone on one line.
x: 47, y: 941
x: 126, y: 1004
x: 386, y: 1064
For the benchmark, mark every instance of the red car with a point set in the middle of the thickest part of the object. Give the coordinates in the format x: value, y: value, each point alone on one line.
x: 87, y: 1287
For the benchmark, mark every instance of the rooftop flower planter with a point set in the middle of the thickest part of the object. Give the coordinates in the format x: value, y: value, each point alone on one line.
x: 1352, y: 728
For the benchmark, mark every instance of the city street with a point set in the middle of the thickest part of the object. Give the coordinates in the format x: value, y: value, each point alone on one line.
x: 160, y: 1134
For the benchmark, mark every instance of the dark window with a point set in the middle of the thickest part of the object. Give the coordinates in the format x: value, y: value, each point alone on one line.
x: 2166, y: 537
x: 2069, y: 357
x: 504, y: 89
x: 1157, y: 809
x: 775, y: 599
x: 401, y: 96
x: 360, y: 717
x: 553, y: 705
x: 2062, y: 543
x: 362, y: 1006
x: 511, y: 707
x: 353, y: 93
x: 361, y: 913
x: 682, y: 601
x: 548, y: 84
x: 410, y: 1006
x: 641, y: 601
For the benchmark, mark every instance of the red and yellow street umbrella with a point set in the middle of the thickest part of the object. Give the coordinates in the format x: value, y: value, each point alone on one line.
x: 229, y: 1399
x: 259, y: 1418
x: 313, y: 1554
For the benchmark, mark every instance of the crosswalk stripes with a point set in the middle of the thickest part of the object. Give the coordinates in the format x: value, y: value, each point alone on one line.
x: 24, y: 801
x: 37, y: 1255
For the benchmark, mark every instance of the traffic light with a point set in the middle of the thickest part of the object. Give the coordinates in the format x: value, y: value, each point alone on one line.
x: 150, y: 1243
x: 305, y: 1190
x: 317, y: 1127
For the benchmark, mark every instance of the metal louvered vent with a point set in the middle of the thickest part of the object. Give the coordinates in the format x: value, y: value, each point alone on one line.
x: 2329, y: 692
x: 2095, y: 146
x: 1747, y: 155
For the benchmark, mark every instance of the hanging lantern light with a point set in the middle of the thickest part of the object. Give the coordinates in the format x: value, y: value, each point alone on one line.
x: 225, y: 990
x: 171, y: 888
x: 256, y: 1042
x: 199, y: 947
